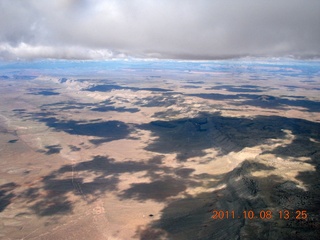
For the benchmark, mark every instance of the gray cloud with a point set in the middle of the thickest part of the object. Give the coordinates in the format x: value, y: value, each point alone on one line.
x: 202, y: 29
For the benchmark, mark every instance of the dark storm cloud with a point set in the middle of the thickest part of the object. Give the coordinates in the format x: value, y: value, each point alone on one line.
x: 97, y: 29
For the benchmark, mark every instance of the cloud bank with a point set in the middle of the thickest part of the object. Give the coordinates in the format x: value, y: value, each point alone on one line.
x: 182, y: 29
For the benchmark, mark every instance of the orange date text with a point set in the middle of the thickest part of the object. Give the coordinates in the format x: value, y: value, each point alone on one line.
x: 261, y: 214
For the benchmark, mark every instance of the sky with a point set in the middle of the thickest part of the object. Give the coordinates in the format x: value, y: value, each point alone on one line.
x: 165, y: 29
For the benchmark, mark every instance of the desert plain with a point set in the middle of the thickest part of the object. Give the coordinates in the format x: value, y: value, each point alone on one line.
x: 160, y: 150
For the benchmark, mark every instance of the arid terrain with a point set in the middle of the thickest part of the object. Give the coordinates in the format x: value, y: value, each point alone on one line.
x: 160, y: 150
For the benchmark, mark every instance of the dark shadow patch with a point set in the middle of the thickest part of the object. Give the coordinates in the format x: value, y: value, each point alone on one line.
x: 241, y: 88
x: 159, y: 190
x: 34, y: 115
x: 115, y: 109
x: 53, y: 206
x: 291, y: 87
x: 32, y: 193
x: 257, y: 78
x: 39, y: 115
x: 58, y: 187
x: 107, y: 166
x: 151, y: 233
x: 74, y: 148
x: 154, y: 89
x: 4, y: 77
x: 104, y: 172
x: 13, y: 141
x: 98, y: 141
x: 307, y: 81
x: 53, y: 149
x: 52, y: 197
x: 96, y: 120
x: 263, y: 101
x: 106, y: 131
x: 166, y: 114
x: 184, y: 172
x: 156, y: 159
x: 99, y: 185
x: 46, y: 93
x: 23, y: 77
x: 6, y: 194
x: 107, y: 173
x: 190, y: 86
x: 63, y: 80
x: 43, y: 91
x: 163, y: 124
x: 196, y: 82
x: 105, y: 88
x: 301, y: 146
x: 68, y: 105
x: 189, y: 137
x: 292, y: 96
x: 19, y: 110
x: 184, y: 155
x: 104, y: 106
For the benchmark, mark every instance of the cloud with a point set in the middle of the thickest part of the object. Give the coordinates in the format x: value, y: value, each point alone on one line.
x: 201, y: 29
x: 26, y: 51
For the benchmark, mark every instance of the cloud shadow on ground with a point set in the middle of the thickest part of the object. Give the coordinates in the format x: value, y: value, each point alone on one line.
x: 93, y: 178
x: 105, y: 131
x: 191, y: 217
x: 263, y: 101
x: 190, y: 137
x: 52, y: 149
x: 43, y: 92
x: 158, y: 190
x: 104, y: 106
x: 6, y: 194
x: 241, y: 88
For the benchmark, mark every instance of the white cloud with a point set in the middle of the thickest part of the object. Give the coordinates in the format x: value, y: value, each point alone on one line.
x: 166, y: 28
x: 25, y: 51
